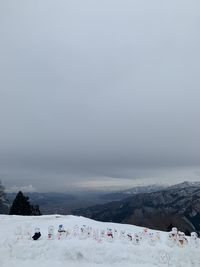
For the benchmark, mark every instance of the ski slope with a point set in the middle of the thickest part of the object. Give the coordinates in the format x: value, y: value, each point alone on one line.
x: 74, y: 251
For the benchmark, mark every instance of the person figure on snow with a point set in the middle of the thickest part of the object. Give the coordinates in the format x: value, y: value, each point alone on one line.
x: 37, y: 234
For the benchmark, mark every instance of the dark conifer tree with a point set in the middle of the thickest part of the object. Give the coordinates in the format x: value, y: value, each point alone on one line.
x: 22, y: 206
x: 4, y: 203
x: 36, y: 210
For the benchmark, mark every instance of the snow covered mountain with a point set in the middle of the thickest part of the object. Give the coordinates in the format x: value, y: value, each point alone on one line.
x: 177, y: 205
x: 146, y: 248
x: 134, y: 191
x: 185, y: 184
x: 148, y: 189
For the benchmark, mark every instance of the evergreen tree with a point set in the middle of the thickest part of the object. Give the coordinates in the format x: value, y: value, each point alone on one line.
x: 2, y: 193
x: 22, y: 206
x: 4, y: 203
x: 36, y: 210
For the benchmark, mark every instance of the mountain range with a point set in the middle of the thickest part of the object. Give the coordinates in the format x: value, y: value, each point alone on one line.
x: 177, y: 205
x: 154, y: 206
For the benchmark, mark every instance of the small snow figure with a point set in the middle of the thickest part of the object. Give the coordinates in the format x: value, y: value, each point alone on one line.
x: 145, y: 233
x: 75, y: 230
x: 61, y: 232
x: 173, y: 237
x: 182, y: 240
x: 19, y: 232
x: 83, y: 232
x: 136, y: 239
x: 115, y: 234
x: 152, y: 239
x: 95, y: 234
x: 27, y: 231
x: 51, y: 234
x: 194, y: 239
x: 129, y: 236
x: 37, y: 234
x: 123, y: 236
x: 174, y: 233
x: 109, y: 235
x: 89, y: 231
x: 102, y: 233
x: 157, y: 235
x: 171, y: 242
x: 164, y: 257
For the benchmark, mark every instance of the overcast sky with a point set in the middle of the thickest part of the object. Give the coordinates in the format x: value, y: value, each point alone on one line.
x: 97, y: 93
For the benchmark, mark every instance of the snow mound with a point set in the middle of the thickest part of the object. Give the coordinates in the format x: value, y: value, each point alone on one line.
x: 87, y: 244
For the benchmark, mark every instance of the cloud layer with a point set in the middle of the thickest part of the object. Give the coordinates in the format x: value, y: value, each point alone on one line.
x: 91, y: 90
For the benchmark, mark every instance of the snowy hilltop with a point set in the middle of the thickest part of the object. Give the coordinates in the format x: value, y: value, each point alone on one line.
x: 77, y: 241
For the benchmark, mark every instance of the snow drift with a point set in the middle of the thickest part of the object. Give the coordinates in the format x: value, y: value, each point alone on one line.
x: 92, y: 250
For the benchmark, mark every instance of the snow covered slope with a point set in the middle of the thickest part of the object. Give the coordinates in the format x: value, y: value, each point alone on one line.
x: 95, y: 250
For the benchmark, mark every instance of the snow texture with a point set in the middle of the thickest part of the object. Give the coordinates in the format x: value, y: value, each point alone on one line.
x: 87, y: 244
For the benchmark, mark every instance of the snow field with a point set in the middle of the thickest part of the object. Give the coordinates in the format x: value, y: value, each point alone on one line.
x: 74, y: 251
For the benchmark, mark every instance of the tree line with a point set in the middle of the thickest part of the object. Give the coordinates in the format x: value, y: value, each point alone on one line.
x: 20, y: 206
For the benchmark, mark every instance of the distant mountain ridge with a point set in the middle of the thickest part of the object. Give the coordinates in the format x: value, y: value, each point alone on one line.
x: 67, y: 203
x: 184, y: 185
x: 148, y: 189
x: 175, y: 205
x: 134, y: 191
x: 61, y: 203
x: 64, y: 203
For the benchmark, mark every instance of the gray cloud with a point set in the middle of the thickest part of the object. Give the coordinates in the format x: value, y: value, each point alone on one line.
x: 91, y: 90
